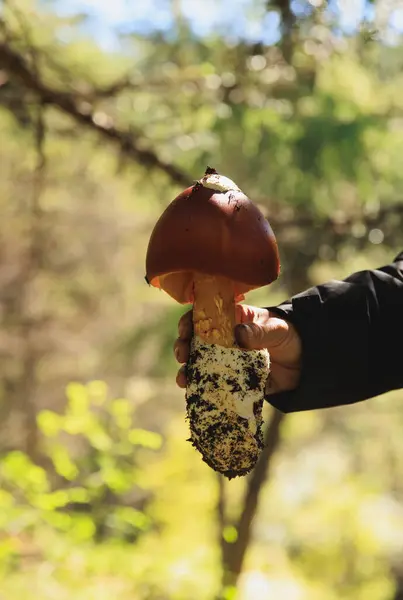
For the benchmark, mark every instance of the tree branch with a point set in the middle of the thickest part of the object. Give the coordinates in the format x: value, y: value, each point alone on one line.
x: 128, y: 144
x: 16, y: 65
x: 313, y: 232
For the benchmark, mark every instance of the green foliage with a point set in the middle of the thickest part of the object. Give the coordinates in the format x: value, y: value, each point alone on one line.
x: 96, y: 453
x: 109, y: 461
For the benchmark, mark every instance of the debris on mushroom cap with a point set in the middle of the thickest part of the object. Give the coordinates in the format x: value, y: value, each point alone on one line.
x: 218, y: 182
x: 224, y: 400
x: 212, y: 228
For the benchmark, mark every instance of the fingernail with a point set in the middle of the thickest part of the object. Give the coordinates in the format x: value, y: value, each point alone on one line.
x: 176, y: 351
x: 243, y: 333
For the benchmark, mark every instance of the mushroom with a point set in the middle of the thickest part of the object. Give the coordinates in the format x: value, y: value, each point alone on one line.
x: 210, y: 247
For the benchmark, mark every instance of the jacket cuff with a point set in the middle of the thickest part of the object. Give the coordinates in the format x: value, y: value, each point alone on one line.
x: 334, y: 332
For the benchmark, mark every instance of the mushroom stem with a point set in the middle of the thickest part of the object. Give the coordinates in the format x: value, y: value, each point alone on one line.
x: 214, y: 310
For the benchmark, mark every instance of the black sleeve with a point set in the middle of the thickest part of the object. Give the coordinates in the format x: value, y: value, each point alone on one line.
x: 352, y: 339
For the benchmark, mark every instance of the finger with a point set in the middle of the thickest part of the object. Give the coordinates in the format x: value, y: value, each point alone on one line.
x: 245, y: 313
x: 181, y: 350
x: 282, y: 379
x: 185, y: 326
x: 181, y: 378
x: 256, y: 335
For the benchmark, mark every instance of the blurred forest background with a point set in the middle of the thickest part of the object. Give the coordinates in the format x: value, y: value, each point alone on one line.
x: 301, y: 103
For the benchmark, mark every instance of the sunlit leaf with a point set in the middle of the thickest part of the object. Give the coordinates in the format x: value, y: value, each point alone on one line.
x: 117, y: 480
x: 230, y: 593
x: 63, y: 463
x: 78, y: 495
x: 51, y: 501
x: 99, y: 439
x: 59, y: 520
x: 133, y: 517
x: 82, y: 528
x: 49, y: 422
x: 77, y: 395
x: 230, y: 534
x: 97, y: 391
x: 19, y: 469
x: 148, y: 439
x: 121, y: 410
x: 82, y: 423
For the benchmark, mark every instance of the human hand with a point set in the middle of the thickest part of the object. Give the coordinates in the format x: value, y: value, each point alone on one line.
x: 256, y: 328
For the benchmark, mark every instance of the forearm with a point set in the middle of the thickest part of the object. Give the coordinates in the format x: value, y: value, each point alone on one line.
x: 352, y: 335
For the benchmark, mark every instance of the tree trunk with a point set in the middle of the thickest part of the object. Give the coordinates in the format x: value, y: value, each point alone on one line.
x: 233, y: 554
x: 288, y: 21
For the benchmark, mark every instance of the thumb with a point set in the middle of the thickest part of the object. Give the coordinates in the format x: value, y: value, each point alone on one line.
x: 256, y: 336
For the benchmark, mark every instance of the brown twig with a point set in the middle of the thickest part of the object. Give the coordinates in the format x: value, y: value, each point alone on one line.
x: 221, y: 515
x: 127, y: 142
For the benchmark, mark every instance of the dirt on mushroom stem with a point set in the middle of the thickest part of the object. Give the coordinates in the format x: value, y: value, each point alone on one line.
x: 224, y: 401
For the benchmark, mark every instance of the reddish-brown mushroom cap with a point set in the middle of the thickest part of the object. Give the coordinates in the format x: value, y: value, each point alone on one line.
x: 214, y: 229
